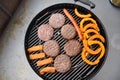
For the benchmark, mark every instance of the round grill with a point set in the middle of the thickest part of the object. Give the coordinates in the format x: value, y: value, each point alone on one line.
x: 80, y: 70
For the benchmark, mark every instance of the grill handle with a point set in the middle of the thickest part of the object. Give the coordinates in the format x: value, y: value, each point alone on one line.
x: 87, y: 2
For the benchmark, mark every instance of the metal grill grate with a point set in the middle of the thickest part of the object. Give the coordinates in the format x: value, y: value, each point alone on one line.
x: 80, y: 72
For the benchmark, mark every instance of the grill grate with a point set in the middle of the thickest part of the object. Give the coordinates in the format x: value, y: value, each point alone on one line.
x: 80, y: 72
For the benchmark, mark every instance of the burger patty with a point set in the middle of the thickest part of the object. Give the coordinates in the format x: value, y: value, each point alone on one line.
x: 68, y: 31
x: 57, y: 20
x: 72, y: 47
x: 62, y: 63
x: 45, y: 32
x: 51, y: 48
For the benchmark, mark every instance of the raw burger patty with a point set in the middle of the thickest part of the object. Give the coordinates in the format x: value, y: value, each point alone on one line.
x: 62, y: 63
x: 57, y: 20
x: 68, y: 31
x: 72, y: 47
x: 45, y: 32
x: 51, y: 48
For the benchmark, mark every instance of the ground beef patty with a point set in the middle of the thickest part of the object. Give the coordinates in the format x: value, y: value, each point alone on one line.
x: 72, y: 47
x: 57, y: 20
x: 45, y: 32
x: 68, y: 31
x: 51, y: 48
x: 62, y: 63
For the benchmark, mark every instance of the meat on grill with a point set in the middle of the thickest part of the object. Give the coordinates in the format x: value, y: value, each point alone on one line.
x: 62, y: 63
x: 45, y: 32
x: 68, y: 31
x: 51, y: 48
x: 72, y: 47
x: 57, y: 20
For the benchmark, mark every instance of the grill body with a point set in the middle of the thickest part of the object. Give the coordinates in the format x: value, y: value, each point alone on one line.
x: 81, y: 72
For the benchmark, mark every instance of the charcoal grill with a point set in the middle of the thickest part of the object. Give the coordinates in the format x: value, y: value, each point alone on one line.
x: 80, y: 70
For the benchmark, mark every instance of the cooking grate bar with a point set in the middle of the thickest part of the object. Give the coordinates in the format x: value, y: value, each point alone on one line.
x: 88, y: 71
x: 85, y: 69
x: 34, y: 41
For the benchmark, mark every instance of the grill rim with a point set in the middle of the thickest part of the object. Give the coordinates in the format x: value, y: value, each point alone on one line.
x: 68, y: 6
